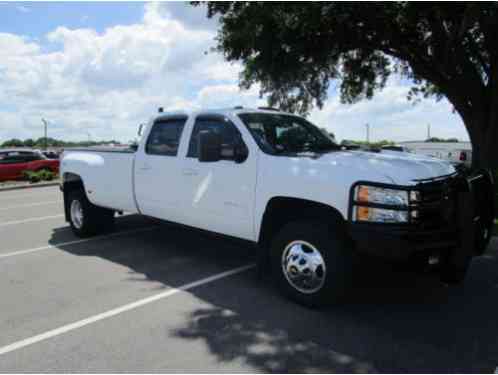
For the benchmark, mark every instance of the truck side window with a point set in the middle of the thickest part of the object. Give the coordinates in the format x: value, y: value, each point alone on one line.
x: 164, y: 137
x: 230, y: 135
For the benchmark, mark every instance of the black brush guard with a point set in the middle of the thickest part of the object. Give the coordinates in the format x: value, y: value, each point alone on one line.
x: 454, y: 220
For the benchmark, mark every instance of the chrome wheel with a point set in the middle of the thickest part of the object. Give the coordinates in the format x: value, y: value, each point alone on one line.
x: 77, y: 214
x: 303, y: 267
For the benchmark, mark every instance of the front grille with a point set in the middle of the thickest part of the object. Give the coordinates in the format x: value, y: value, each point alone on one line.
x: 437, y: 206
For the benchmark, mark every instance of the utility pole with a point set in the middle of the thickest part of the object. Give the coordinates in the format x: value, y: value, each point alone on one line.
x: 45, y: 123
x: 368, y: 132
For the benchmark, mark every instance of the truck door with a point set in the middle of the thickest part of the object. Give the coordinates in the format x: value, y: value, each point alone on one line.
x: 219, y: 196
x: 157, y: 170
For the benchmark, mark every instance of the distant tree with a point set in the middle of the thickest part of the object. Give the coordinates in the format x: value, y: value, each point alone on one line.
x: 378, y: 144
x: 52, y: 142
x: 442, y: 140
x: 293, y: 51
x: 14, y: 142
x: 29, y: 142
x: 433, y: 140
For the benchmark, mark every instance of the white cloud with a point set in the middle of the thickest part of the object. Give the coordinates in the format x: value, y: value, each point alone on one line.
x: 391, y: 116
x: 109, y: 82
x: 14, y: 45
x: 224, y: 95
x: 23, y: 9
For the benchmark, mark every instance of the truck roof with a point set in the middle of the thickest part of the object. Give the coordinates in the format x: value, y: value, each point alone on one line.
x: 223, y: 111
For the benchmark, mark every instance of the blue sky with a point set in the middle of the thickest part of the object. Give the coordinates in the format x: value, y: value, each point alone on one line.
x: 103, y: 68
x: 34, y: 20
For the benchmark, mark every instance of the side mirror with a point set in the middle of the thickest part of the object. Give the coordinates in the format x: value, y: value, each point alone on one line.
x: 209, y: 146
x: 236, y: 152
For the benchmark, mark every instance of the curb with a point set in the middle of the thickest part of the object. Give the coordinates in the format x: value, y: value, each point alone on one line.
x: 29, y: 186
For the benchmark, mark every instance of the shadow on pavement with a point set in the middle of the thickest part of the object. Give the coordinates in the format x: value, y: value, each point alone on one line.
x: 394, y: 322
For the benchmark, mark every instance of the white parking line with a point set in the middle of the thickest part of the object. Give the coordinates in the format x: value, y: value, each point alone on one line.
x: 30, y: 220
x: 119, y: 310
x: 29, y: 205
x: 27, y: 251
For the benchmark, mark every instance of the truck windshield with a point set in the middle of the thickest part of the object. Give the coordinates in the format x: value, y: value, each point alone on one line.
x: 286, y: 134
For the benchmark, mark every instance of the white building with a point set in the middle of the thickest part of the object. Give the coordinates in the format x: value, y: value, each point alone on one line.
x: 452, y: 151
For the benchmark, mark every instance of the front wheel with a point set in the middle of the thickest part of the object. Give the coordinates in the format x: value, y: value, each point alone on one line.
x: 312, y: 263
x: 87, y: 219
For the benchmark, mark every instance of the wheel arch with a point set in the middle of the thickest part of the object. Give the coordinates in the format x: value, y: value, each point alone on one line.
x: 281, y: 210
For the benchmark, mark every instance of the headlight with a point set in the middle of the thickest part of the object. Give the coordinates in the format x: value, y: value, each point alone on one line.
x: 376, y: 195
x: 368, y: 198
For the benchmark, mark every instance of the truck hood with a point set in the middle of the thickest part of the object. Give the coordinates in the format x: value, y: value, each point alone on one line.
x: 400, y: 168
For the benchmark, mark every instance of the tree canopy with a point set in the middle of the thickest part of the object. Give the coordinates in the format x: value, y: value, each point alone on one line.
x: 295, y: 50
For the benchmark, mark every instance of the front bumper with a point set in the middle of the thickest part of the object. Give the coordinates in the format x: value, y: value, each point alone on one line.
x: 399, y: 243
x: 453, y: 228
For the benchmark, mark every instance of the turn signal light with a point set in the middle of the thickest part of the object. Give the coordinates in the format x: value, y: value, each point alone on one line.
x: 362, y: 194
x: 362, y: 213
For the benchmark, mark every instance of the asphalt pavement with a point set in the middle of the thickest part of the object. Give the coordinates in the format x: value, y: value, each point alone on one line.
x: 152, y: 297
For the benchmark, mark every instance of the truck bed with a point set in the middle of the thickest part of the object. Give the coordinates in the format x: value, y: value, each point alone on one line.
x: 107, y: 173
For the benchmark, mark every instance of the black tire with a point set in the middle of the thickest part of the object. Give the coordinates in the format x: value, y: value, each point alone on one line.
x: 335, y: 250
x: 484, y: 232
x: 95, y: 220
x: 453, y: 275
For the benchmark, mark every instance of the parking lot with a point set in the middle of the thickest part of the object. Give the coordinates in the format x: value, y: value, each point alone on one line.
x: 153, y: 297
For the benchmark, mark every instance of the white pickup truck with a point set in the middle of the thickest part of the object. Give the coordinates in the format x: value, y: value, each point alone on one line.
x: 276, y: 180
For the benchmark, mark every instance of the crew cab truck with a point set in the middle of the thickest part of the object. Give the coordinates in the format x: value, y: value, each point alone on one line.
x: 276, y: 180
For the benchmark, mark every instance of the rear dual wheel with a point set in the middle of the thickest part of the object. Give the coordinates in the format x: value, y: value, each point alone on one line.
x: 85, y: 218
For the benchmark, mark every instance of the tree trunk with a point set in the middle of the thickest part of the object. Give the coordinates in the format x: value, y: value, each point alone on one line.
x: 485, y: 148
x: 483, y: 132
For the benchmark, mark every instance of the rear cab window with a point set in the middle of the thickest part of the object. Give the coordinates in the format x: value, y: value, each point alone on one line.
x: 164, y: 137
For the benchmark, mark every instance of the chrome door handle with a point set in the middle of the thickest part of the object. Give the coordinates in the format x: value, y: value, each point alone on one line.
x: 145, y: 168
x: 190, y: 172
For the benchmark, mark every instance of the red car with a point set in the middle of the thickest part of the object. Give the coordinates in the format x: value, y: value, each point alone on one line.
x: 14, y: 161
